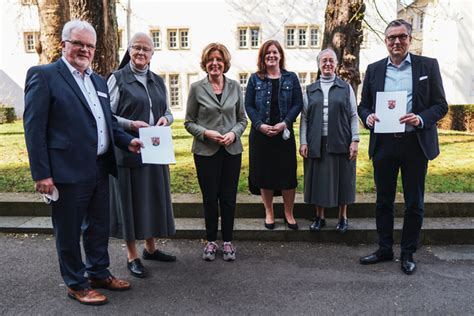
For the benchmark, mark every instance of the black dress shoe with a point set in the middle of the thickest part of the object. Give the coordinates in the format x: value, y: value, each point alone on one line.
x: 342, y: 226
x: 317, y: 224
x: 376, y: 257
x: 407, y: 263
x: 158, y: 255
x: 269, y: 225
x: 136, y: 268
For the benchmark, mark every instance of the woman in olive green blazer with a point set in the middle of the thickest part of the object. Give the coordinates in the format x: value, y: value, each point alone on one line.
x: 215, y: 116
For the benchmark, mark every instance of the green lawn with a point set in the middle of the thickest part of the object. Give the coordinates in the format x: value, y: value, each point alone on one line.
x: 452, y: 171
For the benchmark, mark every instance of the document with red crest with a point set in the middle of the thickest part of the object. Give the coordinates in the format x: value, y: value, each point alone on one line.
x: 158, y: 145
x: 389, y: 107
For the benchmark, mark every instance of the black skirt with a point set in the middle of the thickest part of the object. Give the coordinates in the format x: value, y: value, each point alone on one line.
x: 272, y: 162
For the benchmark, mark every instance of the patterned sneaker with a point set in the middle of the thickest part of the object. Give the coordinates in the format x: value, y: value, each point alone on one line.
x: 209, y: 253
x: 228, y: 251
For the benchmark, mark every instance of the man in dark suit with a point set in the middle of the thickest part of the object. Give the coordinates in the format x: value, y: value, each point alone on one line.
x: 70, y: 134
x: 408, y: 152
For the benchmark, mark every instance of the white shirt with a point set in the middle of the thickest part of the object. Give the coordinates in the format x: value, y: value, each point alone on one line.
x: 92, y: 98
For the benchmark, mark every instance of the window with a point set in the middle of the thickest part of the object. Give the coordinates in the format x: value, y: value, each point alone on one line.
x: 255, y: 37
x: 421, y: 20
x: 243, y: 79
x: 249, y: 36
x: 302, y: 36
x: 302, y: 79
x: 184, y: 38
x: 314, y: 37
x: 242, y: 38
x: 172, y: 39
x: 290, y: 37
x: 178, y: 39
x: 173, y: 84
x: 30, y: 38
x: 156, y: 37
x: 313, y: 76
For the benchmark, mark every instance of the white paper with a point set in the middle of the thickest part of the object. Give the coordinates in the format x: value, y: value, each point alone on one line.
x: 389, y: 107
x: 158, y: 145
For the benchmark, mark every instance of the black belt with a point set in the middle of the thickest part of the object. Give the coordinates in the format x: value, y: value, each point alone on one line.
x: 400, y: 135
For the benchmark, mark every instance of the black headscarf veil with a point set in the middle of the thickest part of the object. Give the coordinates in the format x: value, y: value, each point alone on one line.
x: 125, y: 60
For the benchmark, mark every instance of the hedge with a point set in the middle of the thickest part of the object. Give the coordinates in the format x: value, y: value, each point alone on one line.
x: 460, y: 117
x: 7, y: 114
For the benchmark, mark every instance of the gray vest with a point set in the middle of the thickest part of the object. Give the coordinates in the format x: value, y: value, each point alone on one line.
x: 135, y: 105
x: 339, y: 118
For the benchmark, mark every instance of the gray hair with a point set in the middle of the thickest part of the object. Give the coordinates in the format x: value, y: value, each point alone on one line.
x: 399, y: 22
x: 77, y: 25
x: 325, y: 51
x: 140, y: 35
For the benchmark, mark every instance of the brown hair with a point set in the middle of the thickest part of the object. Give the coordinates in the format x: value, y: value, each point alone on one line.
x: 221, y: 49
x: 261, y: 67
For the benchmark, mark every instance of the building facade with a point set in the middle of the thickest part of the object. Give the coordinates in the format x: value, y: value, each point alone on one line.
x: 181, y: 29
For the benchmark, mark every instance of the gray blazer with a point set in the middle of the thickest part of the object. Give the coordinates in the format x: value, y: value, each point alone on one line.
x: 205, y: 112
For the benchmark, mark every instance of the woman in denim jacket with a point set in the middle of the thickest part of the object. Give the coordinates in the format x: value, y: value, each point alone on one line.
x: 273, y: 100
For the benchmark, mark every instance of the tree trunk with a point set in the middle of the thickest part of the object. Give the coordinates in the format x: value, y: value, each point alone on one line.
x: 53, y: 14
x: 343, y: 33
x: 102, y: 15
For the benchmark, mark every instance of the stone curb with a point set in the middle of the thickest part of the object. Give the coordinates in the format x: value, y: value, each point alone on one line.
x: 454, y: 230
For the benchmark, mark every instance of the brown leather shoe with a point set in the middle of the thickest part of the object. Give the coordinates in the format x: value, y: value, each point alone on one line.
x: 110, y: 283
x: 87, y: 297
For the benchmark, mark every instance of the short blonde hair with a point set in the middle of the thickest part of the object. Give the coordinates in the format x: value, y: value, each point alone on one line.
x: 206, y: 52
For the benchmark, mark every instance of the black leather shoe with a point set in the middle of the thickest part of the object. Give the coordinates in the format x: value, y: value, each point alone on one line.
x: 407, y: 263
x: 136, y: 268
x: 158, y: 256
x: 291, y: 226
x: 269, y: 225
x: 376, y: 257
x: 342, y: 226
x: 317, y: 224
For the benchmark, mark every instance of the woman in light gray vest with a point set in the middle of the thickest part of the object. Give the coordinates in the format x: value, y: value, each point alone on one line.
x: 141, y: 207
x: 329, y: 138
x: 215, y: 116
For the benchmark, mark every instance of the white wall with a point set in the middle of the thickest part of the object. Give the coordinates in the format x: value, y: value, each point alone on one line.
x: 448, y: 36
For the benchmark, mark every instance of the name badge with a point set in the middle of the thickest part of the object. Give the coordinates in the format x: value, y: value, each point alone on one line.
x: 101, y: 94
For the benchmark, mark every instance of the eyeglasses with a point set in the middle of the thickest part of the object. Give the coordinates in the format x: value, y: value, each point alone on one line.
x: 79, y: 44
x: 401, y: 37
x: 141, y: 48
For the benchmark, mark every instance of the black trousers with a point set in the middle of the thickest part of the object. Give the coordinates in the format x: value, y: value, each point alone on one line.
x: 83, y: 208
x: 394, y: 152
x: 218, y: 177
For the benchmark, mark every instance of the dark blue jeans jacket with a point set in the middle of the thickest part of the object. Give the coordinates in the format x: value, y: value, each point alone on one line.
x: 258, y: 99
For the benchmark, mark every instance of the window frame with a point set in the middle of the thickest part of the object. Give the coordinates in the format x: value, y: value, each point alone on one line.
x: 243, y: 86
x: 156, y: 45
x: 178, y: 38
x: 245, y: 36
x: 177, y: 86
x: 35, y: 38
x: 301, y: 36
